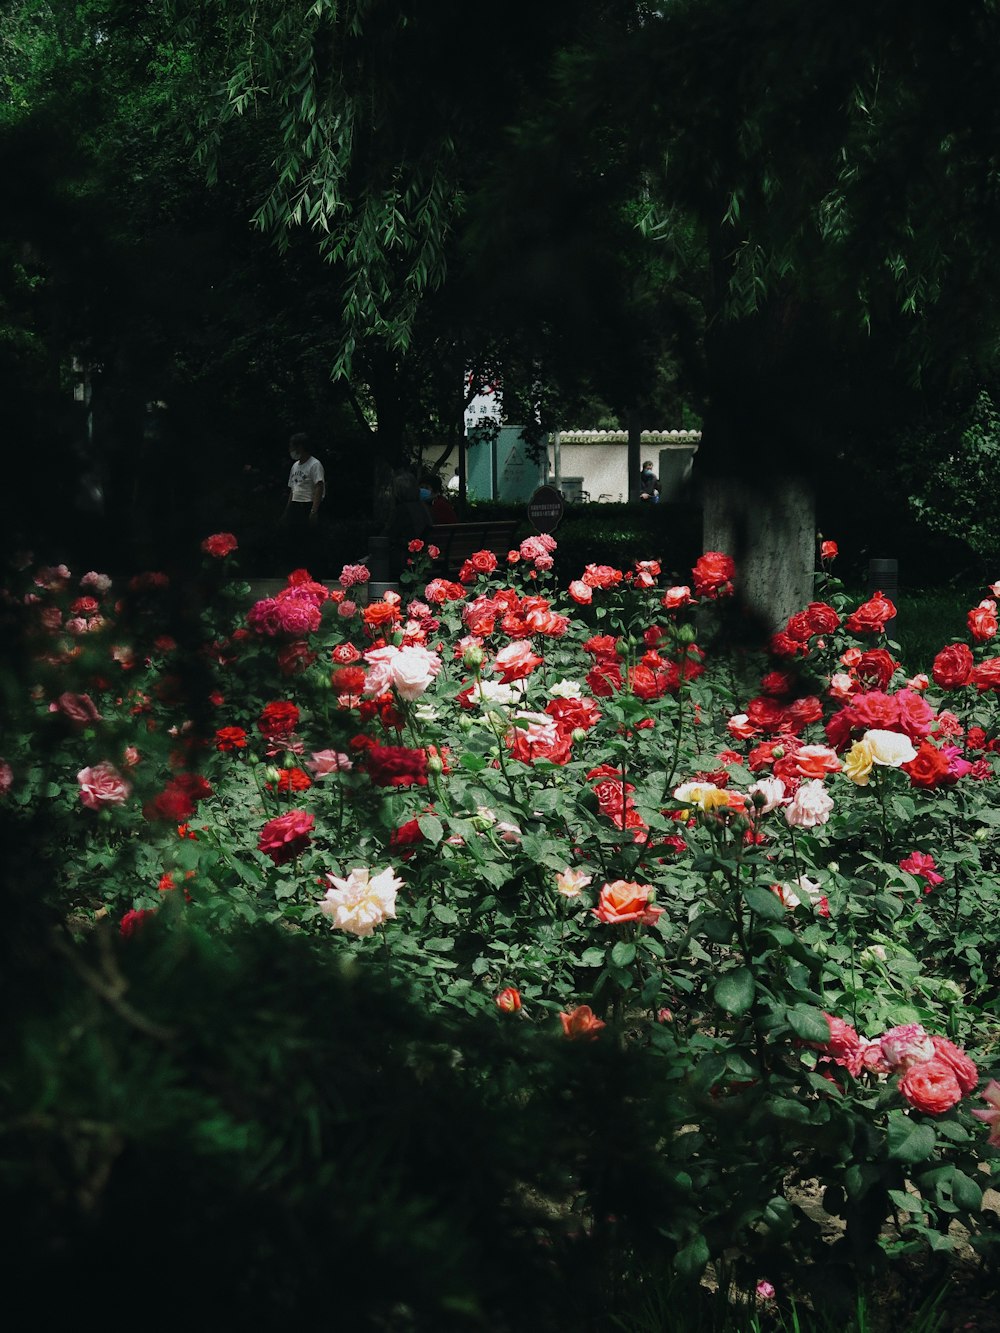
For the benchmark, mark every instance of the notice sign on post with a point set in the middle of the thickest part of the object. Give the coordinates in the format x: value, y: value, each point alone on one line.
x: 545, y: 509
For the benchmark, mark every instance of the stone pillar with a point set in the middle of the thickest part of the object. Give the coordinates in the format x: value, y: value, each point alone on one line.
x: 771, y: 534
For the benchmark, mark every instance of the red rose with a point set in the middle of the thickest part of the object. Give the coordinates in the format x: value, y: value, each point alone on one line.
x: 929, y: 769
x: 571, y: 714
x: 230, y: 738
x: 778, y: 684
x: 766, y: 714
x: 395, y: 766
x: 828, y: 551
x: 405, y: 837
x: 876, y: 667
x: 823, y: 618
x: 291, y: 779
x: 871, y: 616
x: 294, y: 658
x: 953, y: 666
x: 516, y: 661
x: 278, y: 719
x: 713, y: 574
x: 509, y: 1000
x: 348, y: 680
x: 800, y: 627
x: 527, y: 748
x: 602, y: 646
x: 219, y: 545
x: 134, y: 921
x: 377, y: 614
x: 646, y: 683
x: 783, y: 645
x: 601, y: 576
x: 800, y: 712
x: 284, y: 838
x: 982, y: 622
x: 986, y: 676
x: 604, y: 679
x: 931, y: 1086
x: 483, y: 562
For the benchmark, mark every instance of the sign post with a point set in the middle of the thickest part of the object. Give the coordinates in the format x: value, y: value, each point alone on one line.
x: 545, y: 509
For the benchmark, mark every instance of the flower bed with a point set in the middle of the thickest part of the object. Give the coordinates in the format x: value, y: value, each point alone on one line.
x: 762, y: 885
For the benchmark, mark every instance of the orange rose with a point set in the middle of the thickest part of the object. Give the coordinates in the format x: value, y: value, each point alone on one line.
x: 379, y: 613
x: 581, y: 1024
x: 623, y: 901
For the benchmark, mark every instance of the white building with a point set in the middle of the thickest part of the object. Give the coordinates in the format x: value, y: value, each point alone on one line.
x: 593, y: 464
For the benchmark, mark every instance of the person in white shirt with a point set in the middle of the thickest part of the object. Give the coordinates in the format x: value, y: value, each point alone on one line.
x: 306, y: 488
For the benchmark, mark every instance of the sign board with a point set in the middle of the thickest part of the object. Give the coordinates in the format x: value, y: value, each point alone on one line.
x: 545, y: 509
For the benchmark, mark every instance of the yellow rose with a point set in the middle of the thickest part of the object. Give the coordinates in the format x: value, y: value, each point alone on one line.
x: 858, y: 763
x: 705, y: 795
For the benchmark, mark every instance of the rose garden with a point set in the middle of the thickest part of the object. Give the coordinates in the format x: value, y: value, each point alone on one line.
x: 499, y: 953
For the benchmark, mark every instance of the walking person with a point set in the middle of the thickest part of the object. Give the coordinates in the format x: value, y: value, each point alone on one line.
x: 306, y: 489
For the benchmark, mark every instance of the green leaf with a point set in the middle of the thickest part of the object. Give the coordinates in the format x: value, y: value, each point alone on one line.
x: 623, y: 953
x: 714, y: 926
x: 765, y: 903
x: 691, y: 1259
x: 888, y: 906
x: 734, y: 991
x: 808, y: 1024
x: 592, y: 958
x: 909, y: 1140
x: 966, y: 1192
x: 431, y: 827
x: 445, y: 914
x: 474, y: 763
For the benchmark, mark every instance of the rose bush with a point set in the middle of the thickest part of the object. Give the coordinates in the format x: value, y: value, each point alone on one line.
x: 573, y: 800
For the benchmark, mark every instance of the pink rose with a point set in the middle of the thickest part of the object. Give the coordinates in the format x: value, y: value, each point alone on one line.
x: 102, y: 785
x: 99, y: 582
x: 581, y: 592
x: 297, y: 616
x: 906, y: 1045
x: 991, y: 1094
x: 6, y: 777
x: 810, y: 806
x: 958, y: 1062
x: 328, y: 761
x: 351, y: 575
x: 922, y: 865
x: 931, y: 1086
x: 78, y: 708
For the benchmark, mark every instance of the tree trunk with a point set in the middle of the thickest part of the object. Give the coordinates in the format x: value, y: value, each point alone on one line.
x: 771, y: 534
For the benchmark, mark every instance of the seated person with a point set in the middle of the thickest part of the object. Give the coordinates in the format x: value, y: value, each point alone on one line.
x: 442, y: 509
x: 409, y: 519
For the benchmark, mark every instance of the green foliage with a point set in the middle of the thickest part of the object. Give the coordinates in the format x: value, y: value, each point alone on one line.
x: 953, y: 473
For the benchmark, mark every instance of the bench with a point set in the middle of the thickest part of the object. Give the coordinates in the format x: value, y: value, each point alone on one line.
x: 457, y: 541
